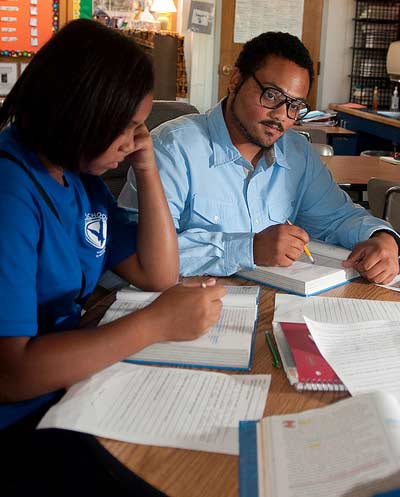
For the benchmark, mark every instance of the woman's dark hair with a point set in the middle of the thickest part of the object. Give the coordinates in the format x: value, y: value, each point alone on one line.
x: 284, y: 45
x: 78, y: 93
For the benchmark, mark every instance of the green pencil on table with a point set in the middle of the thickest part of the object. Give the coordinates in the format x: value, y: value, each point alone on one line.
x: 275, y: 356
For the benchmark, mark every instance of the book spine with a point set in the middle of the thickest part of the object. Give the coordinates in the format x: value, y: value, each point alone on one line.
x: 145, y: 362
x: 248, y: 461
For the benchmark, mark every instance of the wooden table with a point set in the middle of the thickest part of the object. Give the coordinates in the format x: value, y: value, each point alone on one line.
x: 358, y: 169
x: 185, y: 473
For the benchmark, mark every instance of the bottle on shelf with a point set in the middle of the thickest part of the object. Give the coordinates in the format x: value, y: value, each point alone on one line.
x: 375, y: 99
x: 395, y: 100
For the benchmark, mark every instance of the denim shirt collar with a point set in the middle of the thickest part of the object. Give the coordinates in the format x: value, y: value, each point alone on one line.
x: 224, y: 151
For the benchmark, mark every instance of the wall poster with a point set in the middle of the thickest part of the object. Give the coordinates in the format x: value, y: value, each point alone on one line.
x: 82, y: 9
x: 26, y: 25
x: 253, y: 17
x: 8, y: 76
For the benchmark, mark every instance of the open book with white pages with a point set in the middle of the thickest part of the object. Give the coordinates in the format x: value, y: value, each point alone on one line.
x: 227, y: 345
x: 167, y: 407
x: 303, y: 277
x: 347, y: 449
x: 355, y: 337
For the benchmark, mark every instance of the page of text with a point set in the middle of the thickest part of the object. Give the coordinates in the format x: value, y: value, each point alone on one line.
x: 162, y: 406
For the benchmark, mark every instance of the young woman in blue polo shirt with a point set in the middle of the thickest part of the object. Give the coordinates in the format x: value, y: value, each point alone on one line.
x: 76, y: 112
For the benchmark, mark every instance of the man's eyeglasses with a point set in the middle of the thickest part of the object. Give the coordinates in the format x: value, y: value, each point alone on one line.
x: 272, y: 98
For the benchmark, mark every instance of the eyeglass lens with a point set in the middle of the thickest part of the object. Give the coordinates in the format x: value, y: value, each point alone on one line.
x: 273, y: 98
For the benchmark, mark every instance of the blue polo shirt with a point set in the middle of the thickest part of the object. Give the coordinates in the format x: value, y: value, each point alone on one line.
x: 44, y: 262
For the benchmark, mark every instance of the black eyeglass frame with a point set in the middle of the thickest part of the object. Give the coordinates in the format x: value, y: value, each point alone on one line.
x: 288, y: 100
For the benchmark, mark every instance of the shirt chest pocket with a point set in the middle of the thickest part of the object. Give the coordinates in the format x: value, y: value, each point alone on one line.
x: 280, y: 212
x: 212, y: 211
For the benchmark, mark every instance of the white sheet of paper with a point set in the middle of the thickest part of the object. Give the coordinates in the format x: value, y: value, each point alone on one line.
x: 394, y: 284
x: 365, y: 356
x: 291, y: 309
x: 253, y: 17
x: 167, y: 407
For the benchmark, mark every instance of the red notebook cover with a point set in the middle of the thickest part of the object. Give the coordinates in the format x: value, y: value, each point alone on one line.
x: 311, y: 366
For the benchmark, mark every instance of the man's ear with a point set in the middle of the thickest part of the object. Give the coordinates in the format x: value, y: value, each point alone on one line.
x: 235, y: 81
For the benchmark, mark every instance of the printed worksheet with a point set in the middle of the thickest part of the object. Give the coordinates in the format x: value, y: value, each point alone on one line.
x: 167, y: 407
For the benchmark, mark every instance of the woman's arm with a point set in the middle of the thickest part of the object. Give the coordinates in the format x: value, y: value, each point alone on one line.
x: 35, y: 366
x: 156, y: 263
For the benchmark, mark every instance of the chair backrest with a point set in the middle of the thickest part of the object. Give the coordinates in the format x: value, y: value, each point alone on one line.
x: 163, y: 110
x: 323, y: 149
x: 384, y: 200
x: 306, y: 134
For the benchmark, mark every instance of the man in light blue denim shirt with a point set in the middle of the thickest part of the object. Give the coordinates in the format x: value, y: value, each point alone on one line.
x: 234, y: 176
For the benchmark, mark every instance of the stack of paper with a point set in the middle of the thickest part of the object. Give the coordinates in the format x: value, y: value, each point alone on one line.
x: 360, y: 339
x: 319, y: 118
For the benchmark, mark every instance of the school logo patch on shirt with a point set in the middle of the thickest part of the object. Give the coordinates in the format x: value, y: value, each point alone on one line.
x: 96, y: 231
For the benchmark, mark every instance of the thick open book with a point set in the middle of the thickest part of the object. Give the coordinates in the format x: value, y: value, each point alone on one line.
x: 167, y: 407
x: 228, y: 344
x: 347, y: 449
x: 305, y: 278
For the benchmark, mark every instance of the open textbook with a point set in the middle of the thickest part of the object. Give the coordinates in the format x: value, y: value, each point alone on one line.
x: 347, y: 449
x: 303, y: 277
x: 228, y: 344
x: 350, y: 327
x: 166, y: 407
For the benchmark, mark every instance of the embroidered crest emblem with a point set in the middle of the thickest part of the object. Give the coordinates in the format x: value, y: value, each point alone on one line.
x: 96, y: 230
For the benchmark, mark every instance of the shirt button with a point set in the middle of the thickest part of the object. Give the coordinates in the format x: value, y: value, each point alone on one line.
x: 216, y: 218
x: 257, y: 221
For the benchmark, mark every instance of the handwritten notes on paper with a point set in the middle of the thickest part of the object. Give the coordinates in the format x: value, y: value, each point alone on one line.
x: 168, y: 407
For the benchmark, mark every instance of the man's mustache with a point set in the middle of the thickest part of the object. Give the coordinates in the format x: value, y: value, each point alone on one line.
x: 273, y: 124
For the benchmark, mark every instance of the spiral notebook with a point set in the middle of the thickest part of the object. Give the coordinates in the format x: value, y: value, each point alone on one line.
x: 304, y: 366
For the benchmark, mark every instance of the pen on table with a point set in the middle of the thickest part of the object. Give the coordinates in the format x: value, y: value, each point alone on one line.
x: 305, y: 248
x: 275, y: 357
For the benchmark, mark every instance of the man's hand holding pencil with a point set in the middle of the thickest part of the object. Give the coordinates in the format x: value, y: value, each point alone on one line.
x: 280, y: 245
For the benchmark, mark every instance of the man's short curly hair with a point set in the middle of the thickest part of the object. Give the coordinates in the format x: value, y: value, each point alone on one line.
x: 284, y: 45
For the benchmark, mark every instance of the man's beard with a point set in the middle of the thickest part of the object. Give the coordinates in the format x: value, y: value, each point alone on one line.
x: 252, y: 139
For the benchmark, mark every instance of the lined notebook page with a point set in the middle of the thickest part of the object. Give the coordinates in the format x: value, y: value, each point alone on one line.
x: 291, y: 308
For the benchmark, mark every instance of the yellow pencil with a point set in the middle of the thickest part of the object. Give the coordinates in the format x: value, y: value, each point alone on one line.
x: 305, y: 248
